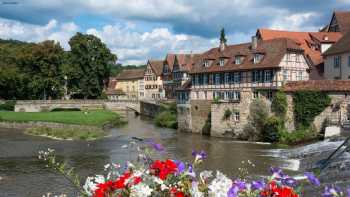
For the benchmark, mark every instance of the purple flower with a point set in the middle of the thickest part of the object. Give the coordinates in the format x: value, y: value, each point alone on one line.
x: 312, y: 178
x: 201, y: 155
x: 348, y: 190
x: 240, y: 184
x: 156, y: 146
x: 258, y: 185
x: 331, y: 191
x: 233, y: 191
x: 289, y: 182
x: 277, y: 172
x: 180, y: 166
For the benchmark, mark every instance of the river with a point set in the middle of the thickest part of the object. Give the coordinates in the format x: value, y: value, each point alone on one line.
x: 21, y: 174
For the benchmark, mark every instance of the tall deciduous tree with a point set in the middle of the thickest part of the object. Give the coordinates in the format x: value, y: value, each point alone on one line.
x: 89, y: 65
x: 42, y: 63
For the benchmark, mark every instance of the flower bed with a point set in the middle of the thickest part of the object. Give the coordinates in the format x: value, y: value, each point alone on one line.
x: 173, y: 178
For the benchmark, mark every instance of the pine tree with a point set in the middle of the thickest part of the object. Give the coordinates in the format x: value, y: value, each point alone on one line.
x: 223, y: 36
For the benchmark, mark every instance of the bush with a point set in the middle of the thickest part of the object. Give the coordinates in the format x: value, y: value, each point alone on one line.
x: 307, y: 105
x: 279, y: 104
x: 8, y: 106
x: 272, y: 129
x: 227, y: 114
x: 166, y: 119
x: 258, y: 113
x: 298, y: 136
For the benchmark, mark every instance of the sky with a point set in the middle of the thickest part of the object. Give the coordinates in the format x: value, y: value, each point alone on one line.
x: 138, y: 30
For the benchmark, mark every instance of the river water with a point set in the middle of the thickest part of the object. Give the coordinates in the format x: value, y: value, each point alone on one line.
x: 21, y: 174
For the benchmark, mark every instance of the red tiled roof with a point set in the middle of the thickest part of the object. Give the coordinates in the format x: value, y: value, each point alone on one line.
x: 157, y: 66
x: 318, y: 85
x: 326, y: 37
x: 304, y: 39
x: 129, y: 74
x: 342, y: 46
x: 170, y: 58
x: 273, y: 51
x: 343, y: 19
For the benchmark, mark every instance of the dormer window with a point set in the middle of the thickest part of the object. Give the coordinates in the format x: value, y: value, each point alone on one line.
x: 258, y: 57
x: 206, y: 63
x: 222, y: 61
x: 238, y: 59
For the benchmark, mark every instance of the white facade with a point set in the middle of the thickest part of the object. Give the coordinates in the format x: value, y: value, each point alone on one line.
x: 337, y: 66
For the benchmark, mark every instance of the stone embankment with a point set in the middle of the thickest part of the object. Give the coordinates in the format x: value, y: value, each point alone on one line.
x: 26, y: 125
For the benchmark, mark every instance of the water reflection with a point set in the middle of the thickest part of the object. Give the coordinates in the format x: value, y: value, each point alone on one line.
x: 23, y: 175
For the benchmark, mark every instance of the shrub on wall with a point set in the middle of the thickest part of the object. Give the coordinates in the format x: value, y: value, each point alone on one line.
x: 227, y: 114
x: 279, y: 104
x: 8, y: 106
x: 307, y: 105
x: 258, y: 113
x: 272, y: 129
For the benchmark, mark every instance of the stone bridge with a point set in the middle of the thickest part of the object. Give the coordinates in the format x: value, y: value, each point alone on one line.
x: 49, y: 105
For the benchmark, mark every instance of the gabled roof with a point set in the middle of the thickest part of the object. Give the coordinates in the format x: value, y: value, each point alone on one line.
x: 318, y: 85
x: 304, y: 40
x: 342, y: 46
x: 273, y: 51
x: 326, y: 37
x: 157, y: 66
x: 130, y: 74
x: 343, y: 19
x: 185, y: 61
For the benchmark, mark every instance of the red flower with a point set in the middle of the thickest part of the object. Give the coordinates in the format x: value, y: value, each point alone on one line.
x: 164, y: 168
x: 175, y: 193
x: 273, y: 190
x: 104, y: 189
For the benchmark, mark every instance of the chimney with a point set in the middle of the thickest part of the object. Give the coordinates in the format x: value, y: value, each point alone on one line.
x: 222, y: 46
x: 254, y: 42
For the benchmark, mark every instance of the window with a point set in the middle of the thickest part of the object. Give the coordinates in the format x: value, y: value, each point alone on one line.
x: 236, y: 116
x: 258, y: 58
x: 205, y: 79
x: 337, y: 61
x: 222, y: 61
x: 237, y: 77
x: 205, y: 95
x: 217, y: 79
x: 227, y: 78
x: 299, y: 75
x: 238, y: 59
x: 258, y: 76
x: 349, y: 61
x: 268, y: 76
x: 206, y: 63
x: 285, y: 75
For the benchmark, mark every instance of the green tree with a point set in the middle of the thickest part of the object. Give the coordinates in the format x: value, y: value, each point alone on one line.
x: 223, y: 36
x: 42, y: 63
x: 90, y: 64
x: 258, y: 114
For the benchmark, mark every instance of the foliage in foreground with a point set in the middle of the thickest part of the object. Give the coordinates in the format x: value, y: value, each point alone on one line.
x: 174, y: 178
x: 67, y: 133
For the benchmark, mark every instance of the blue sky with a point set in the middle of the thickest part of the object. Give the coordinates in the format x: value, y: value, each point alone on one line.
x: 137, y: 30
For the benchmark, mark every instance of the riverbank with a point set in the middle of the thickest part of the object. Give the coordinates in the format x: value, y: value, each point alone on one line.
x: 64, y: 125
x: 91, y: 118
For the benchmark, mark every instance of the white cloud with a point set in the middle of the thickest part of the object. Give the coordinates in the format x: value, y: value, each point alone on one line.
x: 295, y: 22
x: 53, y: 30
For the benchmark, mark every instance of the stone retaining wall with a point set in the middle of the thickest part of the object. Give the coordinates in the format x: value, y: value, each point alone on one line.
x: 26, y: 125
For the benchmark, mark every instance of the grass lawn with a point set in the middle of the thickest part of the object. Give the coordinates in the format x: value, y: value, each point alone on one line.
x: 67, y: 133
x: 93, y: 118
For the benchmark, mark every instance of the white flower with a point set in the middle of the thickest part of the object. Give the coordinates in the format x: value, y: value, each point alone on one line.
x: 163, y: 187
x: 195, y: 191
x: 220, y: 185
x: 140, y: 190
x: 205, y: 175
x: 91, y: 184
